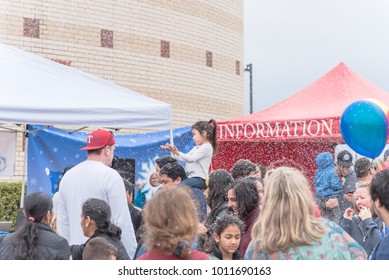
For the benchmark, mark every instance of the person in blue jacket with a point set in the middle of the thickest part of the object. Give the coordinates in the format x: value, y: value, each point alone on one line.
x: 327, y: 185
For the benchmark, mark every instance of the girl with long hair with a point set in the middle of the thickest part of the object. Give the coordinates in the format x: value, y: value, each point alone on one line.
x: 227, y: 235
x: 198, y: 160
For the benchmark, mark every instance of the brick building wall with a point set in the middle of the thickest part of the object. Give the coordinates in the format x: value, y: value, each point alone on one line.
x: 188, y: 53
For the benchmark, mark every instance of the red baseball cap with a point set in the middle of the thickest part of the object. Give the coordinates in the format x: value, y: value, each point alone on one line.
x: 98, y: 139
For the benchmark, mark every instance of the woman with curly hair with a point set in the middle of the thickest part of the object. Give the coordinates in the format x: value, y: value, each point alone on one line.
x: 171, y: 223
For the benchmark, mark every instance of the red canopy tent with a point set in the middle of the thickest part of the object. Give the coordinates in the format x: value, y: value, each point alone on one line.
x: 295, y: 130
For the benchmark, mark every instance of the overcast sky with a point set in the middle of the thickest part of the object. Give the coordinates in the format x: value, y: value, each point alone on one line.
x: 292, y: 43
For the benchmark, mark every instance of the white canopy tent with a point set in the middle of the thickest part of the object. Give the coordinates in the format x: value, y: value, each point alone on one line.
x: 35, y: 90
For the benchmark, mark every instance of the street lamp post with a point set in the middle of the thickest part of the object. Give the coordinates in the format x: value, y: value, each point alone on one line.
x: 249, y: 68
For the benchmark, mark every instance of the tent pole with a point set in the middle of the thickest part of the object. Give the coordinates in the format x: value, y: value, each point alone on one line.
x: 24, y: 166
x: 171, y: 136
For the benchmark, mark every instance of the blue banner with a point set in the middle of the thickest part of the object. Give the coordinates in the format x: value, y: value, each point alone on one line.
x: 50, y: 150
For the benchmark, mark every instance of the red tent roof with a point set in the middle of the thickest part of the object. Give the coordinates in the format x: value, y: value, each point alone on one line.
x: 317, y: 107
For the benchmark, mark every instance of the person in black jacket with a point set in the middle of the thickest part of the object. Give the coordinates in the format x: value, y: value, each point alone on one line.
x: 95, y: 221
x: 34, y: 239
x: 136, y: 213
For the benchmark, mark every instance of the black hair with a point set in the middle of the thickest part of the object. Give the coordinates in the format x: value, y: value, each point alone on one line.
x: 242, y: 168
x: 36, y: 206
x: 379, y: 188
x: 247, y: 197
x: 217, y: 183
x: 218, y: 226
x: 362, y: 167
x: 254, y: 178
x: 262, y: 168
x: 165, y: 160
x: 226, y: 220
x: 100, y: 212
x: 210, y: 132
x: 230, y: 186
x: 130, y: 187
x: 174, y: 171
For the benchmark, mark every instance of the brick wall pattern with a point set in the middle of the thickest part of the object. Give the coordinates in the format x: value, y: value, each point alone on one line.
x: 188, y: 53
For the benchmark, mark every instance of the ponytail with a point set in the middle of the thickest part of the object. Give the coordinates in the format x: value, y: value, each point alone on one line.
x: 24, y: 240
x: 214, y: 142
x: 112, y: 231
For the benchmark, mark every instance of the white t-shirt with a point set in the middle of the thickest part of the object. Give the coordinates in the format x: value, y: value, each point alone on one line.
x: 93, y: 179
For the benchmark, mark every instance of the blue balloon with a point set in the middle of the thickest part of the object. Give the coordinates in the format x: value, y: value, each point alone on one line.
x: 364, y: 128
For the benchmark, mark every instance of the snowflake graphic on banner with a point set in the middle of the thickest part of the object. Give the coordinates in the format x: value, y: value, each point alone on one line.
x: 148, y: 168
x: 33, y: 181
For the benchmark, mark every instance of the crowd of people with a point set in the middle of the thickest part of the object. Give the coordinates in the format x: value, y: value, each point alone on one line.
x: 193, y: 213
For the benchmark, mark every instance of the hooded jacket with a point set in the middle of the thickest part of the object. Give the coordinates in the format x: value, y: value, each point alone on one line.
x: 326, y: 181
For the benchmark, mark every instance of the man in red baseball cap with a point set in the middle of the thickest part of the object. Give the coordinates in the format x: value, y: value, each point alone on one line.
x: 98, y: 139
x: 93, y: 178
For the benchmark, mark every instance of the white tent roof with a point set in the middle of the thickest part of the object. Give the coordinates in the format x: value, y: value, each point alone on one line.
x: 35, y: 90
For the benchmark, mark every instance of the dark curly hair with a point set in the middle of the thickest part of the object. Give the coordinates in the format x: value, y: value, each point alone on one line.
x: 242, y: 168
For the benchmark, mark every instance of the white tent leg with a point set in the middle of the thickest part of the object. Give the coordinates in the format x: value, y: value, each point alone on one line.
x: 171, y: 139
x: 171, y: 136
x: 24, y: 175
